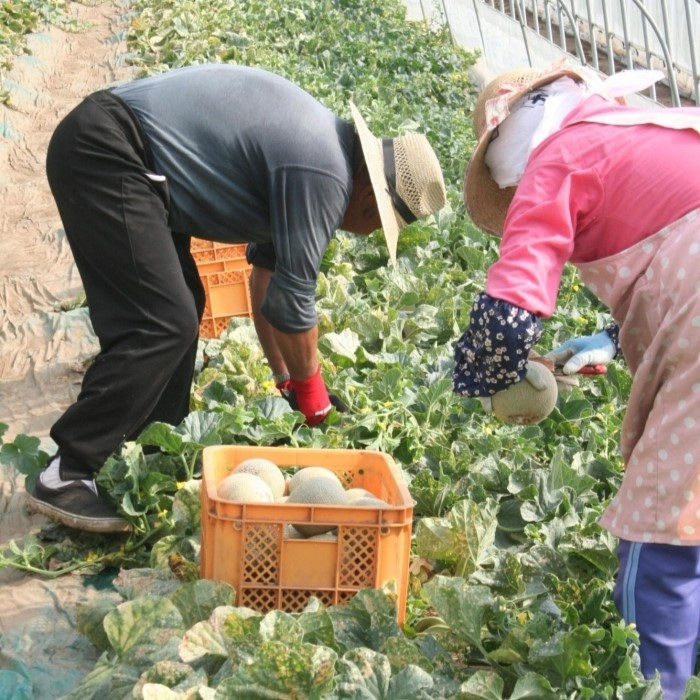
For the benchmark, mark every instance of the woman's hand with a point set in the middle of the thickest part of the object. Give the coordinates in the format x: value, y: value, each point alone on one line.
x: 576, y: 353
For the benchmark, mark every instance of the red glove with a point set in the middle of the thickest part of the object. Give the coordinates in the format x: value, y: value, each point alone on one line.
x: 284, y: 387
x: 312, y: 398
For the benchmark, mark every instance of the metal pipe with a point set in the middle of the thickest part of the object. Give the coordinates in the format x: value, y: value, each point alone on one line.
x: 548, y: 20
x: 693, y: 57
x: 675, y: 98
x: 648, y: 54
x: 625, y: 35
x: 577, y: 38
x: 591, y: 36
x: 447, y: 22
x: 523, y: 26
x: 562, y: 35
x: 608, y: 40
x: 535, y: 17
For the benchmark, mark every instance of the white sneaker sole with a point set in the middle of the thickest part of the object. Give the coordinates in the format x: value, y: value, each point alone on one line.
x: 77, y: 522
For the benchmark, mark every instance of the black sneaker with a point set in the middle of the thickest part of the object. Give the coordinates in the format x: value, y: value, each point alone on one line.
x: 76, y: 505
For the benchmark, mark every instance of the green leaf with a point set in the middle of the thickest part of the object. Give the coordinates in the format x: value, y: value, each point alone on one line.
x: 164, y: 436
x: 474, y: 529
x: 692, y: 689
x: 567, y: 653
x: 109, y: 679
x: 364, y: 674
x: 465, y: 538
x: 368, y: 620
x: 282, y: 627
x: 463, y: 607
x: 341, y: 348
x: 201, y: 428
x: 139, y: 629
x: 532, y: 686
x: 24, y: 455
x: 90, y: 621
x: 483, y: 685
x: 402, y: 652
x: 317, y: 628
x: 197, y: 600
x: 209, y: 638
x: 293, y: 671
x: 138, y: 582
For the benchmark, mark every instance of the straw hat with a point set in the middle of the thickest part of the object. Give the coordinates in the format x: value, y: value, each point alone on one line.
x: 406, y: 178
x: 486, y: 202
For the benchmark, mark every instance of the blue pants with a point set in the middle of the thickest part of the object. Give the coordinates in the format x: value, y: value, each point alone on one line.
x: 658, y: 589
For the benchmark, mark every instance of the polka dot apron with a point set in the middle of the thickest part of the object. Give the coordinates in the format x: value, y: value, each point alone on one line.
x: 652, y: 290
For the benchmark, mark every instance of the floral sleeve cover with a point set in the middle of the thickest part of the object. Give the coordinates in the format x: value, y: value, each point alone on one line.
x: 492, y: 353
x: 613, y: 330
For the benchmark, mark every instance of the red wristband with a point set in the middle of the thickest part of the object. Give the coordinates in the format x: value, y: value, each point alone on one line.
x: 312, y: 397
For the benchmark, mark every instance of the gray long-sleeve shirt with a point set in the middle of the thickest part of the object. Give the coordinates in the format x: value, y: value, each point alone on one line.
x: 250, y: 157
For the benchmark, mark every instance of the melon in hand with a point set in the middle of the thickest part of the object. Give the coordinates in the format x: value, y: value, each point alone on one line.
x: 521, y: 403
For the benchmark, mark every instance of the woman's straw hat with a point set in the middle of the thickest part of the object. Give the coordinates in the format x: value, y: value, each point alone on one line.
x: 486, y: 202
x: 406, y: 178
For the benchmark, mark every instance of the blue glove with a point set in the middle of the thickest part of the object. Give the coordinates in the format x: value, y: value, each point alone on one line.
x: 576, y: 353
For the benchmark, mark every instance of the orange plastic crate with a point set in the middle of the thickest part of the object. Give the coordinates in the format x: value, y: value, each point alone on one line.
x: 225, y: 274
x: 227, y: 295
x: 211, y: 256
x: 244, y: 544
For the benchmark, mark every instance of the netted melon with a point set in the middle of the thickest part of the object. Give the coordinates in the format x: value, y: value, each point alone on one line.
x: 291, y: 533
x: 368, y: 501
x: 325, y: 537
x: 319, y: 490
x: 310, y: 473
x: 522, y: 404
x: 355, y: 493
x: 244, y: 488
x: 268, y: 471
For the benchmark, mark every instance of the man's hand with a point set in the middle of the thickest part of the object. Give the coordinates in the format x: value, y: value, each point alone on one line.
x: 309, y: 396
x: 576, y: 353
x: 336, y: 402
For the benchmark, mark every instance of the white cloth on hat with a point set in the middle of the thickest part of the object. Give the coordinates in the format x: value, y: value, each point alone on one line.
x: 532, y: 119
x: 540, y: 113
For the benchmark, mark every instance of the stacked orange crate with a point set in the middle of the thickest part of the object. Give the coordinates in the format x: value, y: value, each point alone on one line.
x: 225, y: 274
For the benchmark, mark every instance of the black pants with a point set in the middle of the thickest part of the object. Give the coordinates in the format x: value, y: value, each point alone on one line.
x: 142, y: 286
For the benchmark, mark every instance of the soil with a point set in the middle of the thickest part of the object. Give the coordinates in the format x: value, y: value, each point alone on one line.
x: 46, y: 342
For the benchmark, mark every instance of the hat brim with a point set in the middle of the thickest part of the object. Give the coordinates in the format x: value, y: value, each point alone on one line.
x: 374, y: 158
x: 486, y: 202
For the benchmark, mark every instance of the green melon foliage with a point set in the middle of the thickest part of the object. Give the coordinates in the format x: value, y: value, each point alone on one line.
x: 511, y: 581
x: 19, y: 18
